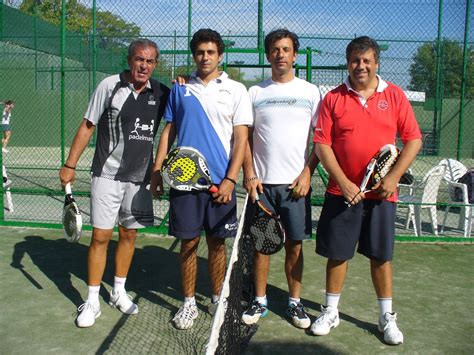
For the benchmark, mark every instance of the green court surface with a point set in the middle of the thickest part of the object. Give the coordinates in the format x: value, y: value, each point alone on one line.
x: 43, y: 281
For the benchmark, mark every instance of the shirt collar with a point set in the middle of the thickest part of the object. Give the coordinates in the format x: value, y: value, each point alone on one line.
x: 222, y: 76
x: 381, y: 86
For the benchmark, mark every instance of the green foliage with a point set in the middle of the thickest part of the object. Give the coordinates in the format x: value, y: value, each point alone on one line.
x: 423, y: 69
x: 112, y: 30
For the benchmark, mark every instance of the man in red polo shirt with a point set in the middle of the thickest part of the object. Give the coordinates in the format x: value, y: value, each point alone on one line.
x: 356, y: 119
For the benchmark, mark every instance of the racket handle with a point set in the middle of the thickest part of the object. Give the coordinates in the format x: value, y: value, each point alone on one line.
x: 67, y: 188
x: 213, y: 189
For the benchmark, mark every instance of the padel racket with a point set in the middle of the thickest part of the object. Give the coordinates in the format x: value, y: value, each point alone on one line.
x: 72, y: 218
x: 265, y: 229
x: 378, y: 168
x: 186, y: 169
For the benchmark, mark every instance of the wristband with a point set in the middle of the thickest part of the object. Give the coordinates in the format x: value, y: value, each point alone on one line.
x: 250, y: 179
x: 231, y: 180
x: 69, y: 167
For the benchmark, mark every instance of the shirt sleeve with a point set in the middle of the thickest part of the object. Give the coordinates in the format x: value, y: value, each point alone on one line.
x: 316, y: 99
x: 252, y: 96
x: 98, y: 101
x: 407, y: 125
x: 323, y: 129
x: 242, y: 108
x: 170, y: 109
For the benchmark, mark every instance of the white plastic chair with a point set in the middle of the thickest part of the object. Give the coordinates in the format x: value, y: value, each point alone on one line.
x: 424, y: 195
x: 454, y: 171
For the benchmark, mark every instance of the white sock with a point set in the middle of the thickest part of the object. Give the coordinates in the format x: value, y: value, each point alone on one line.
x: 215, y: 298
x: 93, y: 295
x: 293, y: 301
x: 332, y: 299
x: 261, y: 300
x: 385, y: 305
x: 191, y: 300
x: 119, y: 284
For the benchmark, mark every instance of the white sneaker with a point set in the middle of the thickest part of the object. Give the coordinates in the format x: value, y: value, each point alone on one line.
x: 391, y: 334
x: 328, y: 319
x: 254, y: 313
x: 123, y: 302
x: 184, y: 318
x: 5, y: 150
x: 298, y: 316
x: 89, y: 312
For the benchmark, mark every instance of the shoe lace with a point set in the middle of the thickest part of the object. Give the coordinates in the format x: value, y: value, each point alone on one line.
x: 86, y: 306
x: 297, y: 310
x: 186, y: 312
x: 325, y: 316
x: 391, y: 326
x: 258, y: 306
x: 124, y: 295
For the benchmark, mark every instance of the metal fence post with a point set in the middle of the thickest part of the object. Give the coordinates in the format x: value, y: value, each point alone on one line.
x: 63, y: 79
x: 463, y: 78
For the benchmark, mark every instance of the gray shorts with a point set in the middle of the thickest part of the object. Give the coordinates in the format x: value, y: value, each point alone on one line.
x: 129, y: 204
x: 295, y: 213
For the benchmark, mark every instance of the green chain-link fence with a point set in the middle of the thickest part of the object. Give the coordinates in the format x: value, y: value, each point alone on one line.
x: 53, y: 53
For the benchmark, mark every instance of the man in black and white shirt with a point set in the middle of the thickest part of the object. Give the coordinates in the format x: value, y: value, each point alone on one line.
x: 127, y: 109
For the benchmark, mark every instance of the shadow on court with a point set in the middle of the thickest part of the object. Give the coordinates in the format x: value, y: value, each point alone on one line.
x: 44, y: 279
x: 56, y: 259
x: 279, y: 305
x: 154, y: 280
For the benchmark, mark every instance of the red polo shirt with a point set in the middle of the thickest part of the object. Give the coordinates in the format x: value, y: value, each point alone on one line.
x: 356, y: 128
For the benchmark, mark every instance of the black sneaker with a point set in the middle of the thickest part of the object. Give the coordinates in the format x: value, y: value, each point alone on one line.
x: 298, y: 316
x: 254, y: 312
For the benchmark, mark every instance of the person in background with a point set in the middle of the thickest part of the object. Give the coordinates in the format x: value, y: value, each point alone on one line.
x: 6, y: 128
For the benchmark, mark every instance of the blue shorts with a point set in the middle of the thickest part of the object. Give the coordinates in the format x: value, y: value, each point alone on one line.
x: 193, y: 211
x: 6, y: 128
x: 370, y: 223
x: 295, y: 214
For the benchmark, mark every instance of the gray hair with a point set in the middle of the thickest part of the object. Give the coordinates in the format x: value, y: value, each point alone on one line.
x: 142, y: 43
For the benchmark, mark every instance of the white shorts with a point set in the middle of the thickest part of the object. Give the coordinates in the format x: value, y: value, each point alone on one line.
x: 126, y: 202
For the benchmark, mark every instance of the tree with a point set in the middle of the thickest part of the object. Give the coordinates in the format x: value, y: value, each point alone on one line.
x: 112, y: 30
x: 423, y: 69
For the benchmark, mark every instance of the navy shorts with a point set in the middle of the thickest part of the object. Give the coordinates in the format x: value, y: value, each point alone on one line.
x: 191, y: 212
x: 370, y: 223
x: 295, y: 214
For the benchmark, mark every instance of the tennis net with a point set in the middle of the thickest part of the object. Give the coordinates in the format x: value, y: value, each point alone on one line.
x: 229, y: 335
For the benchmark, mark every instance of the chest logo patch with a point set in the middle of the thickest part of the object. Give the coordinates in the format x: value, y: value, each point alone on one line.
x: 151, y: 100
x: 382, y: 105
x: 144, y: 129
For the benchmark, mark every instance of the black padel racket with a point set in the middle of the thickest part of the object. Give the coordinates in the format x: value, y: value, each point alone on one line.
x: 72, y: 218
x: 186, y: 169
x: 265, y: 229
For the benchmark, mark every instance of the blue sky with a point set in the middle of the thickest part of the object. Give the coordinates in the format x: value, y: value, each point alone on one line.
x: 402, y: 24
